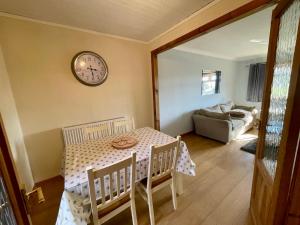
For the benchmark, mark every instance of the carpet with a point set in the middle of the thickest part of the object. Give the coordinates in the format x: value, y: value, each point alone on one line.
x: 250, y: 146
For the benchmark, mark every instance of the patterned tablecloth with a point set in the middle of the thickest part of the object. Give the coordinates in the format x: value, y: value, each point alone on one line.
x: 99, y: 153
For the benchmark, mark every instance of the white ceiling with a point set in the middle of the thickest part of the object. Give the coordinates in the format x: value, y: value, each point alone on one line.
x: 233, y: 41
x: 137, y: 19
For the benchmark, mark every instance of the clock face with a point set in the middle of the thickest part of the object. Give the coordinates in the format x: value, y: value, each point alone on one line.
x: 89, y: 68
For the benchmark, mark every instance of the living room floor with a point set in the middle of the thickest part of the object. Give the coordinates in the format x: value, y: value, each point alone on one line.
x: 219, y: 194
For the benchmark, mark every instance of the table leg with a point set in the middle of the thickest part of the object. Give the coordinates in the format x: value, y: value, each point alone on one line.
x: 179, y: 184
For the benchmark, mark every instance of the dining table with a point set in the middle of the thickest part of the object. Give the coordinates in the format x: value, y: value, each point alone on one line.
x: 74, y: 206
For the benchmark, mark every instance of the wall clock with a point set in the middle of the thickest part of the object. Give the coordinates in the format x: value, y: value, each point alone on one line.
x: 89, y: 68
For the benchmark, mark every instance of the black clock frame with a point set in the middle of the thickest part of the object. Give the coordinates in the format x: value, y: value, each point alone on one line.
x: 75, y: 74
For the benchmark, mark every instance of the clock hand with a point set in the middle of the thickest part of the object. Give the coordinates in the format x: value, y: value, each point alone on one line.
x: 91, y: 69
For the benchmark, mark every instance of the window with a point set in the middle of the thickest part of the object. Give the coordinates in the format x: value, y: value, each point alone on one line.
x: 210, y: 82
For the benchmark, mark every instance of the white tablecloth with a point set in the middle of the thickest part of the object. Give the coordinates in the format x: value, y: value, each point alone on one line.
x: 100, y: 153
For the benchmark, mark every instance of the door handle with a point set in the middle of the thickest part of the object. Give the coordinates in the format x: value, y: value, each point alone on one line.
x: 32, y: 198
x: 2, y: 206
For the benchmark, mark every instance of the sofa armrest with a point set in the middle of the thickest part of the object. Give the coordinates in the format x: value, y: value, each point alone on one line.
x: 213, y: 128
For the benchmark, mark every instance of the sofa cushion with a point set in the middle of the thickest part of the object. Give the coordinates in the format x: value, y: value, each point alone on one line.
x: 215, y: 108
x: 215, y: 115
x: 237, y: 123
x: 247, y: 108
x: 226, y: 107
x: 237, y: 114
x: 248, y: 118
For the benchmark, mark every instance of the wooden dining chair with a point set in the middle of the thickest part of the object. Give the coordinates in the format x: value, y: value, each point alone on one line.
x: 97, y: 130
x: 123, y: 125
x: 119, y: 195
x: 161, y: 173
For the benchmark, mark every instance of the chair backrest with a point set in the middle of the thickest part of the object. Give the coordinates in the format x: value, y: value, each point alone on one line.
x: 79, y: 133
x: 123, y: 125
x: 98, y: 130
x: 114, y: 179
x: 162, y: 161
x: 73, y: 135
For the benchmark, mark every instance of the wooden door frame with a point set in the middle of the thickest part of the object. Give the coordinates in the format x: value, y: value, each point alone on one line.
x: 10, y: 179
x: 286, y: 157
x: 234, y: 15
x: 293, y: 210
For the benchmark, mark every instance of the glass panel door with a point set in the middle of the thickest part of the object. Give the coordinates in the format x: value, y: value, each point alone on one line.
x: 6, y: 214
x: 280, y: 86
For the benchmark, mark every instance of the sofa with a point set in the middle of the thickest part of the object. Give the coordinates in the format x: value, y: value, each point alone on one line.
x: 224, y: 122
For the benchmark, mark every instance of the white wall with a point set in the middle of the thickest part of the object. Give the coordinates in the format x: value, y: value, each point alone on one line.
x: 210, y: 12
x: 13, y: 129
x: 241, y: 82
x: 179, y: 76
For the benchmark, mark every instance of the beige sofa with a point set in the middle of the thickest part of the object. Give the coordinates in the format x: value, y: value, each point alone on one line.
x: 224, y: 122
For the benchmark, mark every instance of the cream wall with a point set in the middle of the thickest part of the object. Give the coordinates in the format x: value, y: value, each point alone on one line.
x: 13, y: 129
x: 49, y: 97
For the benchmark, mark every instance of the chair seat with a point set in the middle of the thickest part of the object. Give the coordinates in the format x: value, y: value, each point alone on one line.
x: 109, y: 209
x: 158, y: 181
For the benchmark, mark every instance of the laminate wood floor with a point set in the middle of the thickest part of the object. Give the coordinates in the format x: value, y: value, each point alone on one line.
x: 219, y: 194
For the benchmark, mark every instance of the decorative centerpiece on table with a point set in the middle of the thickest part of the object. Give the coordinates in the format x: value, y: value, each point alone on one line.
x: 124, y: 142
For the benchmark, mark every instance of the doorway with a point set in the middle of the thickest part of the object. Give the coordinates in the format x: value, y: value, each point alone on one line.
x: 210, y: 71
x: 279, y: 128
x: 12, y: 209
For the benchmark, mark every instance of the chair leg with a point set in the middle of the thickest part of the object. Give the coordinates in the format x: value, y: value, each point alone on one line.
x: 150, y: 206
x: 95, y: 220
x: 133, y: 212
x: 174, y: 197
